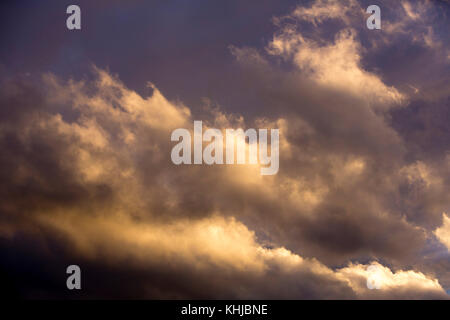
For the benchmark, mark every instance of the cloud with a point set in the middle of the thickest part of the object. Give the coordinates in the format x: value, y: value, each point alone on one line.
x: 443, y: 232
x: 107, y: 190
x: 221, y: 251
x: 336, y: 65
x: 87, y: 176
x: 322, y: 10
x: 391, y: 285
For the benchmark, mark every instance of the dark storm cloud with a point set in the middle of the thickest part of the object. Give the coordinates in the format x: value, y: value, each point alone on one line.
x: 68, y: 191
x: 364, y: 164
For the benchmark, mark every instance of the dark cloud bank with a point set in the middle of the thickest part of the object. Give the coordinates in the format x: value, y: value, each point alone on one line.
x: 364, y: 169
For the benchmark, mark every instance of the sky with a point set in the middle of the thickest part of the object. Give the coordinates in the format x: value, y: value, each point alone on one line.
x: 364, y: 150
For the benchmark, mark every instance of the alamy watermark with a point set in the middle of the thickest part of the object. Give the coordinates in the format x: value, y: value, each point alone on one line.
x: 73, y: 21
x: 234, y: 139
x: 374, y: 21
x: 74, y: 280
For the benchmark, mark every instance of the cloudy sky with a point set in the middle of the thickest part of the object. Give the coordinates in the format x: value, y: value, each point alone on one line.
x: 86, y: 176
